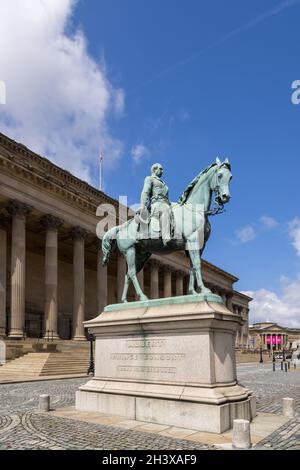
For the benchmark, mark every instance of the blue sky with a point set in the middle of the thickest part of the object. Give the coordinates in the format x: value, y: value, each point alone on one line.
x: 231, y: 100
x: 181, y: 82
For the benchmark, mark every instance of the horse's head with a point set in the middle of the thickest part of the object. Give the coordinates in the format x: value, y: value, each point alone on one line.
x: 221, y: 180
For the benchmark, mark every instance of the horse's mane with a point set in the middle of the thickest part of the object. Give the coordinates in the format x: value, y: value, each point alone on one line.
x: 183, y: 198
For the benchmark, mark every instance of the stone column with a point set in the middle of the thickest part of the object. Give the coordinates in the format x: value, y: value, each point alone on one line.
x: 223, y: 295
x: 239, y: 311
x: 154, y: 279
x: 229, y: 301
x: 121, y: 273
x: 140, y: 277
x: 237, y: 331
x: 246, y: 326
x: 51, y: 224
x: 18, y: 212
x: 3, y: 265
x: 79, y: 235
x: 179, y: 282
x: 101, y: 280
x: 167, y: 281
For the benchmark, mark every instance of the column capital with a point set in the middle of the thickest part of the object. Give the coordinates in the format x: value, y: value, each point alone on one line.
x: 154, y: 263
x: 239, y: 310
x: 16, y: 208
x: 98, y: 243
x: 167, y: 268
x: 51, y: 222
x: 4, y: 221
x: 79, y: 233
x: 180, y: 273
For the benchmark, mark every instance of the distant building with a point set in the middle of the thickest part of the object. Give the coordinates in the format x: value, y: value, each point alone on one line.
x: 271, y: 336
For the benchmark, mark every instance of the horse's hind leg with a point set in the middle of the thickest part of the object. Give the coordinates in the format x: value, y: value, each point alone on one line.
x: 125, y: 288
x: 191, y: 288
x: 130, y: 258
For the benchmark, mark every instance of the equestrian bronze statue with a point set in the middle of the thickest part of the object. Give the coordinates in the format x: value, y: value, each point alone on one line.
x: 161, y: 227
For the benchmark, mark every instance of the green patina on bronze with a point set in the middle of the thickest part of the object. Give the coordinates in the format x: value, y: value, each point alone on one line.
x: 185, y: 217
x: 180, y: 299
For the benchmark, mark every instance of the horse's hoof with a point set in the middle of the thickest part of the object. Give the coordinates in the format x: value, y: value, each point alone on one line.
x: 192, y: 292
x: 124, y: 301
x: 206, y: 291
x: 143, y: 297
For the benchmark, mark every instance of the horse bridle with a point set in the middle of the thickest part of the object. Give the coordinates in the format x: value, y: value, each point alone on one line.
x: 218, y: 204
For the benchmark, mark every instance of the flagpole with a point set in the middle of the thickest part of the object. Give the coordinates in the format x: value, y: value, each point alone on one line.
x: 100, y: 170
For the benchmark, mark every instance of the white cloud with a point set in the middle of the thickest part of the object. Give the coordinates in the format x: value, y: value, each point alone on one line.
x: 2, y: 92
x: 58, y: 96
x: 294, y: 232
x: 138, y: 152
x: 245, y: 234
x: 283, y: 309
x: 268, y: 222
x: 249, y: 232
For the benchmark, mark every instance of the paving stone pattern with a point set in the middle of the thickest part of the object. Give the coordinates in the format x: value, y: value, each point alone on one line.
x: 270, y: 387
x: 22, y: 427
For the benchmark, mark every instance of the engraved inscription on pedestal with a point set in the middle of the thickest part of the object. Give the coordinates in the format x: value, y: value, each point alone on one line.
x: 154, y: 358
x: 145, y: 343
x: 151, y: 361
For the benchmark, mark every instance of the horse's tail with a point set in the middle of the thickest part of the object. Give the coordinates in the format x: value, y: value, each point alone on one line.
x: 108, y: 242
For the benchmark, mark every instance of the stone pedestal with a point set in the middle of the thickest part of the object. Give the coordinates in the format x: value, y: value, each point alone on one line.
x: 168, y: 361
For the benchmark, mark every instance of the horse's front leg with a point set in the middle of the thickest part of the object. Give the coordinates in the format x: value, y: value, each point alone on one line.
x: 196, y: 263
x: 130, y: 258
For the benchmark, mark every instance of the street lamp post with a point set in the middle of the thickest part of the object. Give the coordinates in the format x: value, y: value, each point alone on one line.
x: 261, y: 357
x: 91, y: 369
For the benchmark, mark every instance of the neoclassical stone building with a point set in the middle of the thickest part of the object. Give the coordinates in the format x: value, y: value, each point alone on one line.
x: 51, y: 278
x: 271, y: 336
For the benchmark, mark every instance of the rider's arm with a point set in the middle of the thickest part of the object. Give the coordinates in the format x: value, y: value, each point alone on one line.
x: 146, y: 193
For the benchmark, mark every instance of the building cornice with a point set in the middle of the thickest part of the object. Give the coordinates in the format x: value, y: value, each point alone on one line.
x: 243, y: 296
x: 218, y: 270
x: 42, y: 171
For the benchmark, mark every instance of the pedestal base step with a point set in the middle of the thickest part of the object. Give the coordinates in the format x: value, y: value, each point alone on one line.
x: 207, y: 417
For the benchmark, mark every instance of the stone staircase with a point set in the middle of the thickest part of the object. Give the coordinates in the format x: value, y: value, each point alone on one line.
x: 70, y: 360
x: 29, y: 365
x: 66, y: 363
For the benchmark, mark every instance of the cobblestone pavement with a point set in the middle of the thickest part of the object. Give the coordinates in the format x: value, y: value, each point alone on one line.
x: 270, y: 387
x: 25, y: 396
x: 285, y: 438
x: 21, y: 427
x: 39, y: 431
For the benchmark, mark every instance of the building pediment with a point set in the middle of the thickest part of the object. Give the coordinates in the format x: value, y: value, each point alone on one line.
x: 273, y: 328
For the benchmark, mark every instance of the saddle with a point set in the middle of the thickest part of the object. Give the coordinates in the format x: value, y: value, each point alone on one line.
x: 148, y: 225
